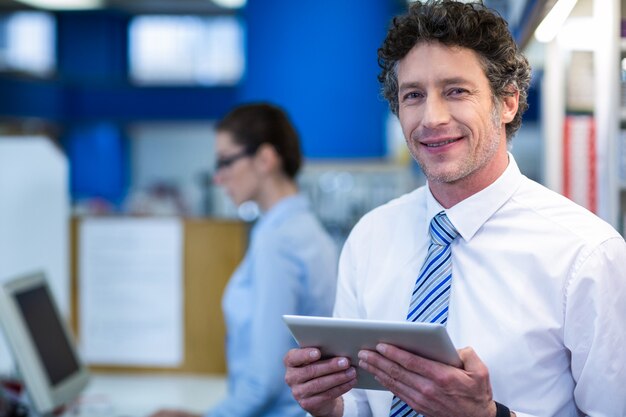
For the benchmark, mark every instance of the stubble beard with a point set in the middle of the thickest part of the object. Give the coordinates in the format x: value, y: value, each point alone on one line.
x: 470, y: 162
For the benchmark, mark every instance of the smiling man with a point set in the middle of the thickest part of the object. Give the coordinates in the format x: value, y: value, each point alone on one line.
x: 453, y: 127
x: 531, y: 287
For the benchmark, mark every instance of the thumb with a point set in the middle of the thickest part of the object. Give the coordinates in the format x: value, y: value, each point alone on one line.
x: 471, y: 361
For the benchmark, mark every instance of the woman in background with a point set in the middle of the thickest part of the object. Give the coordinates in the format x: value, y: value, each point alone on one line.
x: 289, y: 268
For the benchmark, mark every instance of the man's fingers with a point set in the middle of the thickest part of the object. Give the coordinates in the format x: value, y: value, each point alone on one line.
x: 315, y: 370
x: 417, y: 364
x: 470, y: 359
x: 327, y: 396
x: 317, y: 384
x: 325, y: 387
x: 310, y: 368
x: 389, y: 373
x: 299, y: 357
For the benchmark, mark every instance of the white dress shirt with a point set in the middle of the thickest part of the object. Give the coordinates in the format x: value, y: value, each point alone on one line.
x: 539, y: 292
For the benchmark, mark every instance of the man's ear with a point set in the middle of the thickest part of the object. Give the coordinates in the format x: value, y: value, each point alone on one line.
x: 510, y: 104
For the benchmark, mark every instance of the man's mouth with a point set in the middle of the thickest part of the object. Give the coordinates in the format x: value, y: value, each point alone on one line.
x: 443, y: 143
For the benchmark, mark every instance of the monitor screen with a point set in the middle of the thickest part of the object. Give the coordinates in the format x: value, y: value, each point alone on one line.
x: 48, y: 336
x: 40, y: 340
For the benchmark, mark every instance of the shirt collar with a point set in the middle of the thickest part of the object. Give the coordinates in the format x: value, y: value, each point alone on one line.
x: 469, y: 215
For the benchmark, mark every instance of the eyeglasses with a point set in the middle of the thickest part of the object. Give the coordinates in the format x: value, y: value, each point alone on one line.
x: 227, y: 161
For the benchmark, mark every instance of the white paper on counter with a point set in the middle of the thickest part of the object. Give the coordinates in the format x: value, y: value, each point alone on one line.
x: 131, y: 291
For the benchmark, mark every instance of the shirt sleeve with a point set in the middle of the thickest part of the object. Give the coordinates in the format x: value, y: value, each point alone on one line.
x: 355, y: 404
x: 278, y: 283
x: 595, y: 332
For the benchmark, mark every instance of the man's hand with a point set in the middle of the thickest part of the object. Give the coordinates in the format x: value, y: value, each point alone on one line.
x: 433, y: 388
x: 317, y: 384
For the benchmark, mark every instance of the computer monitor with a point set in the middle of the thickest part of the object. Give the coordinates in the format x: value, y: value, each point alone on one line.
x: 40, y: 340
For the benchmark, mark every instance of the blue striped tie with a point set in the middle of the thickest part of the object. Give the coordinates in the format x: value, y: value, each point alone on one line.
x: 429, y: 301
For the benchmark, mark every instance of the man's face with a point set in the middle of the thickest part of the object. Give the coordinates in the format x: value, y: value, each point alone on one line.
x: 450, y: 123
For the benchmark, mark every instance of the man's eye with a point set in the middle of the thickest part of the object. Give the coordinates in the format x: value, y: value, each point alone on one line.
x: 458, y: 91
x: 412, y: 95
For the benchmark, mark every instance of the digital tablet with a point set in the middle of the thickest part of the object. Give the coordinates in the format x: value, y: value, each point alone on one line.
x: 345, y: 337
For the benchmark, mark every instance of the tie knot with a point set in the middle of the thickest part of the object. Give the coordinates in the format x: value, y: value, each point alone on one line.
x: 442, y: 232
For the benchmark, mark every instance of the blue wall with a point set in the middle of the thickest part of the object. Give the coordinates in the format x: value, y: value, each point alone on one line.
x: 98, y: 154
x: 317, y: 59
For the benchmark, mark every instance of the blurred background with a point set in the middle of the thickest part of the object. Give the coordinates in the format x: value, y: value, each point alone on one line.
x: 107, y: 109
x: 129, y: 90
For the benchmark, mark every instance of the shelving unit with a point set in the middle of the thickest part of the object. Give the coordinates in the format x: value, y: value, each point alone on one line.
x: 601, y: 38
x: 606, y: 14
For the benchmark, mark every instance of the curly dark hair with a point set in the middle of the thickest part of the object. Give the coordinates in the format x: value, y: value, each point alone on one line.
x: 468, y: 25
x: 254, y: 124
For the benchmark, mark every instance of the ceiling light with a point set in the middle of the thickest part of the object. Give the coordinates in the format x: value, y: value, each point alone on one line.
x: 230, y: 4
x: 579, y: 34
x: 551, y: 24
x: 64, y: 4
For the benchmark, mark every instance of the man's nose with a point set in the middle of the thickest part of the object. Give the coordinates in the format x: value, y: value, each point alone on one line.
x: 436, y: 112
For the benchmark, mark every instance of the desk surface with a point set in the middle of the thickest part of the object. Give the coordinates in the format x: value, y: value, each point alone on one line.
x: 138, y: 395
